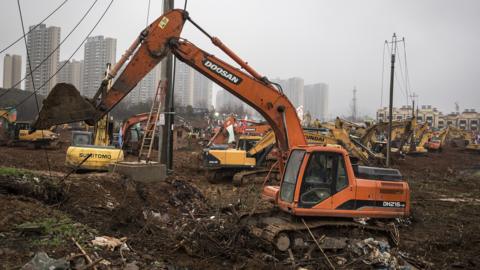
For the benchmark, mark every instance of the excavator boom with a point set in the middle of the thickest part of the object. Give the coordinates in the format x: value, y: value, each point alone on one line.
x: 155, y: 42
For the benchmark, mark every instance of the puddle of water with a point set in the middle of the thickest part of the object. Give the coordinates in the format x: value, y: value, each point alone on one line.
x: 456, y: 200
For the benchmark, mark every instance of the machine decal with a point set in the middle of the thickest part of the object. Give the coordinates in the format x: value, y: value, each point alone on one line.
x: 357, y: 204
x: 163, y: 22
x: 393, y: 204
x: 222, y: 72
x: 93, y: 155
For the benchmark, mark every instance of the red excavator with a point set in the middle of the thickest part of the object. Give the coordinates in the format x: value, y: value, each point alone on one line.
x: 316, y: 181
x: 132, y: 137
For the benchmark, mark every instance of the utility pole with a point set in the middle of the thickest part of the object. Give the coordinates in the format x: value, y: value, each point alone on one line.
x: 413, y: 97
x: 168, y: 74
x: 390, y: 108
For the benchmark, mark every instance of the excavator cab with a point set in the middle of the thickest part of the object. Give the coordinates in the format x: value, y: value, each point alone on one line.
x: 321, y: 181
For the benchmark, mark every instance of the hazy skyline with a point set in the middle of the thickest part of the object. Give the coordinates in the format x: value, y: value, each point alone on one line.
x: 336, y: 42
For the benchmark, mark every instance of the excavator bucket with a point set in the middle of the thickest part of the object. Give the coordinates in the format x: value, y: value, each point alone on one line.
x: 64, y: 104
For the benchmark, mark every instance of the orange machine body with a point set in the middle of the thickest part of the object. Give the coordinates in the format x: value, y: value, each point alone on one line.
x: 358, y: 197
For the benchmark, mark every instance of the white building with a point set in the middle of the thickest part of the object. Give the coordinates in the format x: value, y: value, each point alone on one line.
x: 225, y: 100
x: 98, y: 52
x: 41, y: 42
x: 12, y: 70
x: 146, y: 88
x: 71, y: 73
x: 316, y: 100
x: 294, y: 89
x: 202, y: 91
x: 184, y: 79
x: 467, y: 120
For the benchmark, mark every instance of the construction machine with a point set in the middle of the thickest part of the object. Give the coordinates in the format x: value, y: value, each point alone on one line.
x: 463, y: 138
x: 437, y: 140
x: 316, y: 181
x: 250, y: 158
x: 131, y: 137
x: 352, y: 128
x: 231, y: 128
x: 18, y: 133
x: 90, y: 151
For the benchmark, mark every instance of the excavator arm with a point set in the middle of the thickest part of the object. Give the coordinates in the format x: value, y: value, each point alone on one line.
x: 138, y: 118
x: 154, y: 43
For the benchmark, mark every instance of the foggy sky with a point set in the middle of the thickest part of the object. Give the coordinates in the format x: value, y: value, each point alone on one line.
x: 337, y: 42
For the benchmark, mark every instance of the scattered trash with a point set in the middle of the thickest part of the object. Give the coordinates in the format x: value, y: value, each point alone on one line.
x: 362, y: 221
x: 109, y: 242
x: 156, y: 216
x: 340, y: 260
x: 376, y: 253
x: 41, y: 261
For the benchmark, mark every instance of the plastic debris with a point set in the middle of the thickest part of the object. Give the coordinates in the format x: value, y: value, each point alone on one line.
x: 377, y: 253
x: 41, y: 261
x: 109, y: 242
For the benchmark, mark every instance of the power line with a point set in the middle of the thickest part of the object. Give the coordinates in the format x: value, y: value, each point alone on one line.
x: 406, y: 67
x: 76, y: 50
x: 46, y: 18
x: 52, y: 52
x: 33, y: 82
x: 383, y: 73
x: 403, y: 77
x: 148, y: 12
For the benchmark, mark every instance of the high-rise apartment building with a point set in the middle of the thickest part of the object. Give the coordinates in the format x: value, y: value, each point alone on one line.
x: 72, y: 73
x: 99, y: 51
x: 226, y: 100
x: 202, y: 91
x: 12, y: 70
x: 184, y: 80
x: 41, y: 42
x: 293, y: 88
x: 146, y: 88
x: 316, y: 100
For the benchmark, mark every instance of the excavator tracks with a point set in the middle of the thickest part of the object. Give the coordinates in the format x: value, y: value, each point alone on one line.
x: 283, y: 232
x: 246, y: 177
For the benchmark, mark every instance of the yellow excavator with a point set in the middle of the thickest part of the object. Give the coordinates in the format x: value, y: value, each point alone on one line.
x: 417, y: 138
x: 463, y: 138
x: 92, y: 151
x: 252, y: 153
x: 250, y: 157
x: 18, y: 133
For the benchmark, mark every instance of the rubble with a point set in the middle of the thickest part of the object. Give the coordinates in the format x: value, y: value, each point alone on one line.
x: 41, y: 261
x: 187, y: 222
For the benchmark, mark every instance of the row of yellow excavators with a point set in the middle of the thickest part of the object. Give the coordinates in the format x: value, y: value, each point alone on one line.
x: 366, y: 145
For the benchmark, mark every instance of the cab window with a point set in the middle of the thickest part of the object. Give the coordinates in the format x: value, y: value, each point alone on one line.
x: 324, y: 176
x: 342, y: 180
x: 294, y: 163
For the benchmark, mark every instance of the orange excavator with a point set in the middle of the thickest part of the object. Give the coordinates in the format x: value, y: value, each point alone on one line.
x: 131, y: 137
x: 316, y: 181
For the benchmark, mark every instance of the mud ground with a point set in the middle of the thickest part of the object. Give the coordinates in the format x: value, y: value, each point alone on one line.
x: 186, y: 222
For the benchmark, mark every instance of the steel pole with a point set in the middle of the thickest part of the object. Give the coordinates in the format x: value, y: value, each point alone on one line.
x: 390, y: 108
